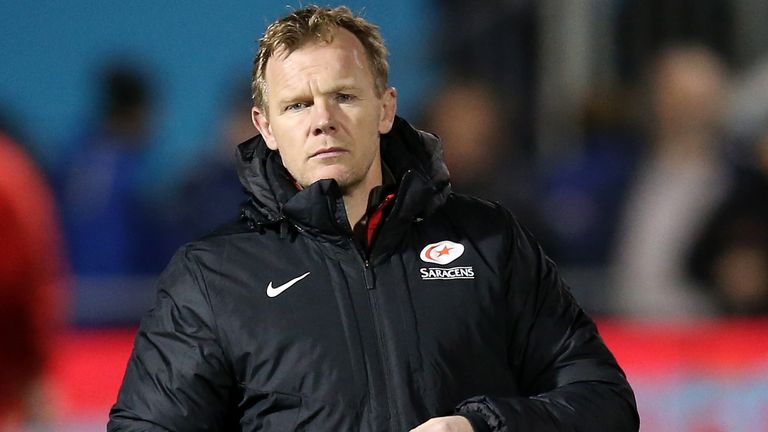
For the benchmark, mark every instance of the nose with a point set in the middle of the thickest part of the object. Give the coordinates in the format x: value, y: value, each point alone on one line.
x: 323, y: 121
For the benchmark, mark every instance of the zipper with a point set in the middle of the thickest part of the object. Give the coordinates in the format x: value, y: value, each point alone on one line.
x: 370, y: 286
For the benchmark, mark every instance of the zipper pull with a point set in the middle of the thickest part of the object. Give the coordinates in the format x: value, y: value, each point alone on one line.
x: 368, y: 275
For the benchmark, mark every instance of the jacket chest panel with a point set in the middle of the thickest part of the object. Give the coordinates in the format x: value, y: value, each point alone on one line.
x: 289, y: 331
x: 459, y: 311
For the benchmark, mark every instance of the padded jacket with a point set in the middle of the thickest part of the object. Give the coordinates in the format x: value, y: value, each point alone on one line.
x: 282, y: 322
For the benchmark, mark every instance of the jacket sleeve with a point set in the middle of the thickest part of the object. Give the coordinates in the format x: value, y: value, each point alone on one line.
x: 177, y: 376
x: 569, y: 378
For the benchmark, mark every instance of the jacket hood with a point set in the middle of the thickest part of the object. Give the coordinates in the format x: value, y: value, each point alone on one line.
x: 414, y: 157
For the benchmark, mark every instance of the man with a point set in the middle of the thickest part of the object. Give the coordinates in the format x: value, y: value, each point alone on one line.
x: 358, y: 293
x: 32, y: 283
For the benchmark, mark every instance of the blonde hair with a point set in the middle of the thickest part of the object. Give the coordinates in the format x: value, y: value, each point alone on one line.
x: 315, y: 24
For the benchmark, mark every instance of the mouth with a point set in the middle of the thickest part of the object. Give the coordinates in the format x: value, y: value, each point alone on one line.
x: 327, y: 152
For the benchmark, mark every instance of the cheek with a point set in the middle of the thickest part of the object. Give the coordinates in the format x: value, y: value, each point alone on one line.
x: 291, y: 157
x: 289, y: 146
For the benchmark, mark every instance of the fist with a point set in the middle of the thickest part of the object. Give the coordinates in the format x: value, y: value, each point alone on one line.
x: 445, y: 424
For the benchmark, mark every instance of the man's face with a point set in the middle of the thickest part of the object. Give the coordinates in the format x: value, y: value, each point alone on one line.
x: 323, y: 114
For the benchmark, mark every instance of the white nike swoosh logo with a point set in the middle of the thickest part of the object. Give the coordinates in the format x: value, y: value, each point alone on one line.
x: 276, y: 291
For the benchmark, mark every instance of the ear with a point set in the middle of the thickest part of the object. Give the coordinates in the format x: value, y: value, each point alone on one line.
x: 259, y: 118
x: 388, y: 110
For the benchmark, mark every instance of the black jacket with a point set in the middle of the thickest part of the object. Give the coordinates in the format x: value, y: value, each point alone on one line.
x: 378, y: 340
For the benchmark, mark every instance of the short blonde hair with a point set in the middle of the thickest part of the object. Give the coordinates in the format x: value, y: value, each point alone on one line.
x: 315, y: 24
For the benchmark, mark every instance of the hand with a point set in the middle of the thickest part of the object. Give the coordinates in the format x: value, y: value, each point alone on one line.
x: 445, y: 424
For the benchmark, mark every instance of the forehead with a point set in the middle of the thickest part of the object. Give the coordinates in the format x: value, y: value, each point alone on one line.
x: 342, y: 57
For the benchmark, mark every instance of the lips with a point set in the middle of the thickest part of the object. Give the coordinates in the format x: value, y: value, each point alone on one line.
x: 327, y: 152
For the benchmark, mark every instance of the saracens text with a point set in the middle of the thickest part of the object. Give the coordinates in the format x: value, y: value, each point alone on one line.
x: 434, y: 273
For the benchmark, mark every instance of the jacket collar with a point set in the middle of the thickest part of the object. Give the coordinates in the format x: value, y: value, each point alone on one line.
x: 414, y: 157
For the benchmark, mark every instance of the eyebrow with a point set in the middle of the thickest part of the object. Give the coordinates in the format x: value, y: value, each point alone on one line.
x: 302, y: 95
x: 342, y: 87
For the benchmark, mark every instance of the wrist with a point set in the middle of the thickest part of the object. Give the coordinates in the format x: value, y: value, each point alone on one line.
x: 483, y: 408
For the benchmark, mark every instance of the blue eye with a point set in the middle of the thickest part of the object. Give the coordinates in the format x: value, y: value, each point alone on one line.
x: 296, y: 106
x: 344, y: 98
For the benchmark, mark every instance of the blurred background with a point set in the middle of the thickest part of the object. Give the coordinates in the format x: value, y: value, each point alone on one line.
x: 630, y: 136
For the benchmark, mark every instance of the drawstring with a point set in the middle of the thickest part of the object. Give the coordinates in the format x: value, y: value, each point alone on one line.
x: 283, y: 229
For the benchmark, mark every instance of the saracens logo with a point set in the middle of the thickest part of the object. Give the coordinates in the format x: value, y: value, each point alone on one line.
x: 444, y: 252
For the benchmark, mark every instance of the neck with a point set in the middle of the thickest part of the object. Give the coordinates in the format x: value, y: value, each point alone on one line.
x: 356, y: 196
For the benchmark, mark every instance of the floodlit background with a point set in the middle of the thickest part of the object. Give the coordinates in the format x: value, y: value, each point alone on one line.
x: 630, y: 136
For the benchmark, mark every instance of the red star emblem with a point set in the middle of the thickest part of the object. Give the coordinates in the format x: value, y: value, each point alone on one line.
x: 444, y: 251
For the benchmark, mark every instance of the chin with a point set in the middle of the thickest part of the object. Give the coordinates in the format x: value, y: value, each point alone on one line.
x: 342, y: 177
